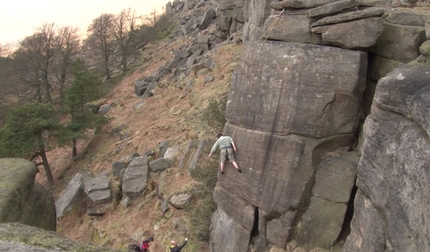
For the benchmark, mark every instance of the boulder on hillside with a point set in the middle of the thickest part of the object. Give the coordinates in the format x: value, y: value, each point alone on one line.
x: 187, y: 27
x: 73, y: 195
x: 173, y: 153
x: 203, y: 42
x: 131, y: 157
x: 135, y: 177
x: 159, y: 164
x: 21, y: 198
x: 169, y: 8
x: 98, y: 189
x: 208, y: 17
x: 223, y: 23
x: 104, y: 109
x: 19, y: 237
x: 177, y: 5
x: 189, y: 4
x: 117, y: 167
x: 180, y: 201
x: 162, y: 147
x: 143, y: 87
x: 192, y: 154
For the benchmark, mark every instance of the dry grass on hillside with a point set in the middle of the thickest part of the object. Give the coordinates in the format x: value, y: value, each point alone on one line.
x: 164, y: 116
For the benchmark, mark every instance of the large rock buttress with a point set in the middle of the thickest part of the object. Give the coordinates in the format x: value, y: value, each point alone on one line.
x: 391, y: 209
x: 21, y: 198
x: 292, y: 108
x: 300, y: 89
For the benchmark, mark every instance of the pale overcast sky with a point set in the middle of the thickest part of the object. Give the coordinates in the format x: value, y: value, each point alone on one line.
x: 20, y: 18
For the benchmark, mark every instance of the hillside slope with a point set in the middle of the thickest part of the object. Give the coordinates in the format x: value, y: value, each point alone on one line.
x: 167, y: 115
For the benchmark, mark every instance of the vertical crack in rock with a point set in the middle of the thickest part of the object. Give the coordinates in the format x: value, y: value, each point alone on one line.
x: 328, y: 104
x: 346, y: 229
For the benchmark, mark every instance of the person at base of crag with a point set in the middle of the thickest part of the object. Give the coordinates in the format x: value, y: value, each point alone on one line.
x: 144, y: 245
x: 226, y: 145
x: 175, y: 248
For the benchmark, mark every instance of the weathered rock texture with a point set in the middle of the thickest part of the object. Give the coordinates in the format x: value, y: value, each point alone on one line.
x: 393, y: 180
x: 72, y: 195
x: 21, y: 198
x: 19, y: 237
x: 292, y: 109
x: 135, y: 177
x: 297, y: 100
x: 230, y: 16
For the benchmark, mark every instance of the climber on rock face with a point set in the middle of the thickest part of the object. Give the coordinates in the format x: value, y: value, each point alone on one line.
x: 143, y: 246
x: 175, y: 248
x: 227, y: 145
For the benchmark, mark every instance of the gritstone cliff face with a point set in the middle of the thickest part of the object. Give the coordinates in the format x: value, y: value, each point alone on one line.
x: 297, y: 104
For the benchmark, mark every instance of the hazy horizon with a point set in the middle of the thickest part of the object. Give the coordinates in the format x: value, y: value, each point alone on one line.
x: 19, y: 19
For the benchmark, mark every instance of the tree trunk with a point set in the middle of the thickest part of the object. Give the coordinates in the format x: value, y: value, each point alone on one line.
x: 107, y: 67
x: 74, y: 149
x: 62, y: 88
x: 47, y: 86
x: 47, y: 168
x: 124, y: 64
x: 38, y: 94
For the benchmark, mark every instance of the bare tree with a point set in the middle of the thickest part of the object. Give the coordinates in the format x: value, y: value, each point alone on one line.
x: 38, y: 65
x: 125, y: 32
x: 154, y: 24
x: 5, y: 50
x: 33, y: 62
x: 149, y: 21
x: 67, y: 44
x: 5, y: 75
x: 45, y: 41
x: 102, y: 38
x: 27, y: 64
x: 163, y: 23
x: 5, y: 69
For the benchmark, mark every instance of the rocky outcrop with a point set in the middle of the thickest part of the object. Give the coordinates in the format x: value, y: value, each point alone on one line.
x: 393, y: 182
x: 399, y: 43
x: 295, y: 103
x: 85, y: 190
x: 22, y: 199
x: 95, y: 192
x: 300, y: 104
x: 345, y: 24
x: 230, y: 15
x: 19, y: 237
